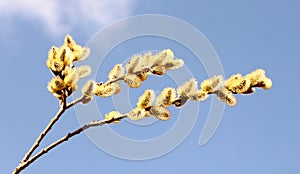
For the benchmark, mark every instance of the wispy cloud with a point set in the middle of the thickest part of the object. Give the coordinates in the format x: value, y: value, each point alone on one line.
x: 60, y: 16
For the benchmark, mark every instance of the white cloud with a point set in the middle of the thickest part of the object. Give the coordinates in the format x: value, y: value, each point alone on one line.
x: 60, y: 16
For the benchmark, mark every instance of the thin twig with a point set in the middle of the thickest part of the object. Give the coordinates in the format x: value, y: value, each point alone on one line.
x: 65, y: 138
x: 64, y: 106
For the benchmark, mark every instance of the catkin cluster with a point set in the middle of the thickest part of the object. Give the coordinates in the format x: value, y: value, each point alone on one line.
x: 137, y: 70
x: 224, y: 89
x: 66, y: 75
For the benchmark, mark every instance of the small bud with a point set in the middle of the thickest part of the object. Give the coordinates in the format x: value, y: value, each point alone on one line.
x: 180, y: 102
x: 158, y: 70
x: 160, y: 113
x: 117, y: 72
x: 226, y: 96
x: 212, y: 84
x: 187, y: 88
x: 137, y: 114
x: 132, y: 80
x: 56, y: 84
x: 142, y: 76
x: 166, y: 97
x: 113, y: 115
x: 237, y: 84
x: 83, y: 71
x: 146, y: 99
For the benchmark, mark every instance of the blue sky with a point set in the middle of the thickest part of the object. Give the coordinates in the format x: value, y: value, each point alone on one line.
x: 259, y: 135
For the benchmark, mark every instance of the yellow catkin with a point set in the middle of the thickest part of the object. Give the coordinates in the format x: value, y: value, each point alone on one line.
x: 56, y: 65
x: 159, y: 58
x: 212, y: 84
x: 113, y: 115
x: 131, y: 65
x: 132, y: 80
x: 56, y: 84
x: 83, y: 71
x: 198, y: 95
x: 85, y: 52
x: 226, y: 96
x: 72, y: 89
x: 146, y: 61
x: 52, y: 53
x: 146, y: 99
x: 71, y: 78
x: 237, y: 84
x: 173, y: 64
x: 187, y: 88
x: 267, y: 83
x: 254, y: 76
x: 137, y: 114
x: 116, y: 72
x: 107, y: 89
x: 160, y: 112
x: 166, y: 97
x: 89, y: 88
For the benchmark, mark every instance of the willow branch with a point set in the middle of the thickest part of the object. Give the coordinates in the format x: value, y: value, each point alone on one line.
x: 65, y: 138
x: 63, y: 108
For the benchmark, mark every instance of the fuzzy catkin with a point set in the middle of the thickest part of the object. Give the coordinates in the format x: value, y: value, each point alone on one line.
x: 137, y: 114
x: 160, y: 112
x: 113, y: 115
x: 116, y: 72
x: 212, y: 84
x: 166, y: 97
x: 146, y: 99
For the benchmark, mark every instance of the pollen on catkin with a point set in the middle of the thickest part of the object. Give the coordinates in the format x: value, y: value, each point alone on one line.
x: 160, y: 112
x: 112, y: 115
x: 212, y: 84
x: 132, y: 80
x: 226, y: 96
x: 116, y: 72
x: 166, y: 97
x: 137, y: 114
x: 146, y: 99
x: 237, y: 84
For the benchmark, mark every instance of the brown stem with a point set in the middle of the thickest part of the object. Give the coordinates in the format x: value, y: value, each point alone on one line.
x: 25, y: 164
x: 64, y: 106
